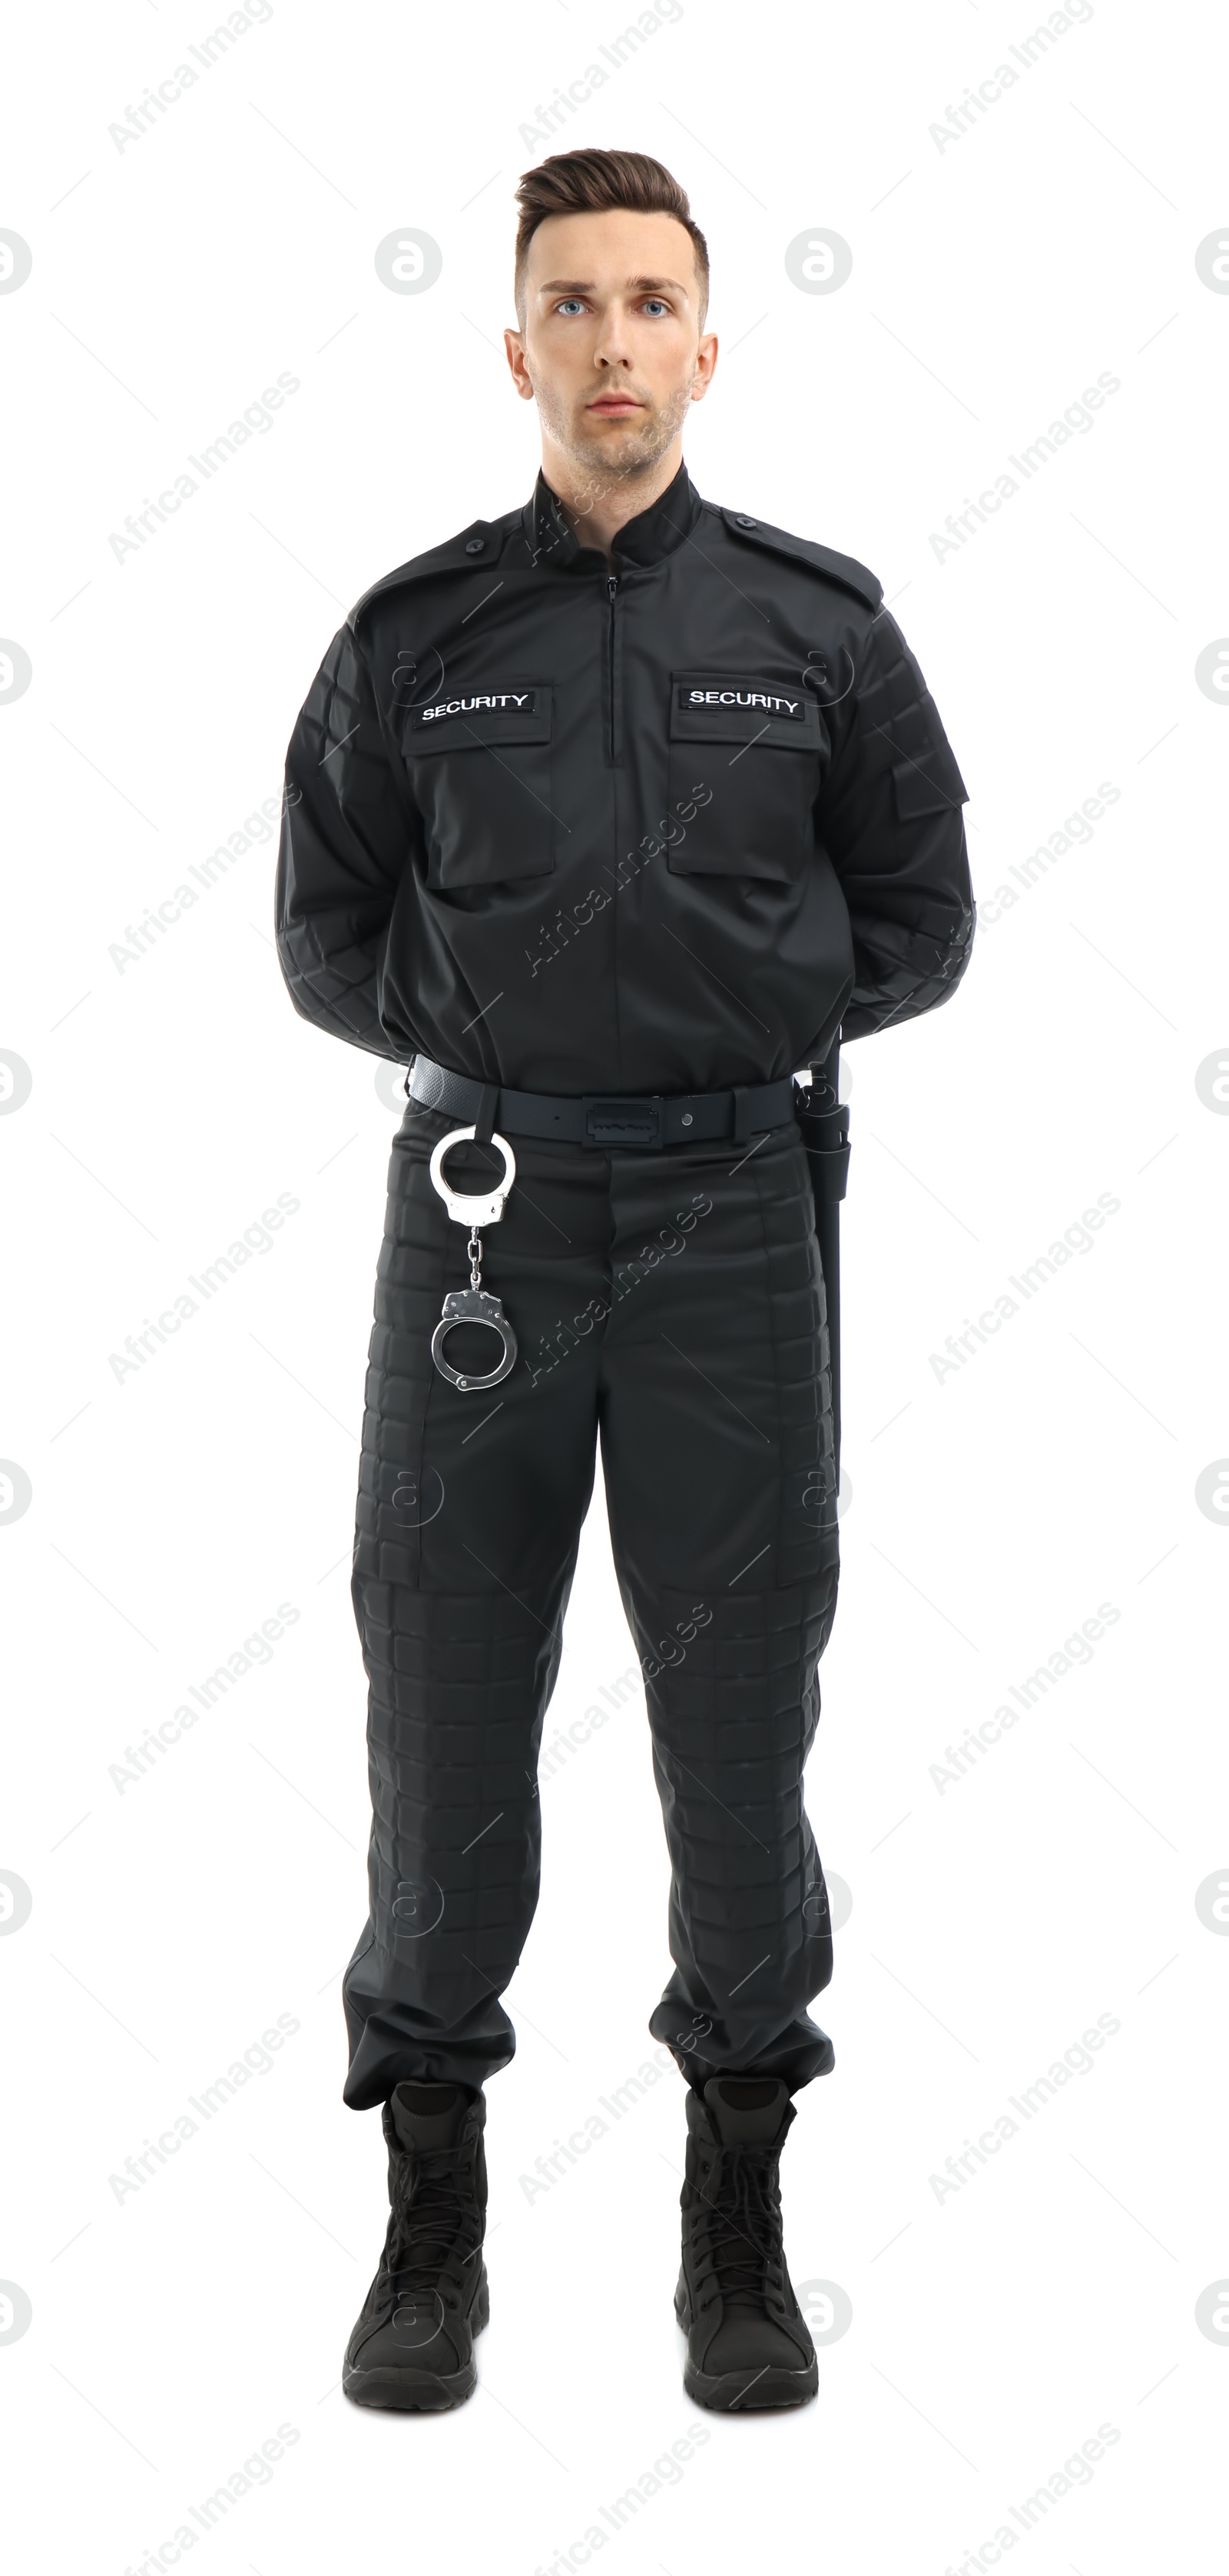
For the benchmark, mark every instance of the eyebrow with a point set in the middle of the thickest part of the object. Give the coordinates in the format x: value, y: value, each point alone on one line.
x: 584, y: 286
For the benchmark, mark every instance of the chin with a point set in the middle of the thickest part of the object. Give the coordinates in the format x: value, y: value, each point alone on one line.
x: 627, y: 431
x: 629, y: 438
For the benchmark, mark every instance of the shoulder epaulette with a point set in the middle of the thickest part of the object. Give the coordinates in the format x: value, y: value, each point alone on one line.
x: 845, y: 570
x: 472, y: 549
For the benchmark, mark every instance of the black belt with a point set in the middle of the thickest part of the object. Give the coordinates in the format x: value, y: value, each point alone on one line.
x: 604, y: 1118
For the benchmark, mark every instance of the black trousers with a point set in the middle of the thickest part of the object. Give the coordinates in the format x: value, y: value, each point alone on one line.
x: 672, y: 1304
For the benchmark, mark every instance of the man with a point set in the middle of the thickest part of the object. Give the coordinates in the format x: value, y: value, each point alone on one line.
x: 609, y: 814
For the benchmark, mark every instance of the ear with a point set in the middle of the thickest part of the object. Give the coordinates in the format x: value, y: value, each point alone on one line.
x: 514, y: 348
x: 706, y: 360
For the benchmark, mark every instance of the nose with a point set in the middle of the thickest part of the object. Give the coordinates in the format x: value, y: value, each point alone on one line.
x: 612, y: 347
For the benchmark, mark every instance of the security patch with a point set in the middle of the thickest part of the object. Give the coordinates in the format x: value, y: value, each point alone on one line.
x: 698, y: 697
x: 496, y: 702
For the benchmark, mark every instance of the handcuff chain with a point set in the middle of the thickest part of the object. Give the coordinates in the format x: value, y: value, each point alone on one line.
x: 475, y: 1258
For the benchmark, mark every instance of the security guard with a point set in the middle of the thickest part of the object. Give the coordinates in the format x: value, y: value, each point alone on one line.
x: 607, y: 817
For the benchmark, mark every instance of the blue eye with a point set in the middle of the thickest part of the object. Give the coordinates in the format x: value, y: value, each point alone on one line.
x: 569, y: 304
x: 656, y: 302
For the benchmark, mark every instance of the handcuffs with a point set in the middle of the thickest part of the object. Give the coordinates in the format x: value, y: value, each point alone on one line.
x: 475, y: 1304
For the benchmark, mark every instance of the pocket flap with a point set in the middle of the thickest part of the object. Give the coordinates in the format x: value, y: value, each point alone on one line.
x: 928, y: 783
x: 720, y: 706
x: 481, y: 718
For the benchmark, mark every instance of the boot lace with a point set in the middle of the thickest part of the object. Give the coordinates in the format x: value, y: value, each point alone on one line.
x: 427, y: 2215
x: 742, y: 2225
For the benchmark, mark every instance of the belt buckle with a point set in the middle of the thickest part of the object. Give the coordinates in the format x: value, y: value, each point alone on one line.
x: 624, y: 1119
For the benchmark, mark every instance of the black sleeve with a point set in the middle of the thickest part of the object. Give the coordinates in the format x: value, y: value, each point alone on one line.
x: 347, y: 832
x: 890, y: 819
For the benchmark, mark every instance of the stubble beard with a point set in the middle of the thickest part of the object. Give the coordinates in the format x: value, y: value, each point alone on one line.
x: 641, y: 449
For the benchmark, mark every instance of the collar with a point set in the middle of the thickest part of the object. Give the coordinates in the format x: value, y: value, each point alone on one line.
x: 645, y: 540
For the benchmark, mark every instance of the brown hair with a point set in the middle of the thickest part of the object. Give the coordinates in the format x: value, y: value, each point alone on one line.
x: 592, y: 183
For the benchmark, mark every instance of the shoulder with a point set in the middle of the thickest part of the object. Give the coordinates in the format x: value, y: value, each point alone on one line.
x: 473, y: 550
x: 844, y: 572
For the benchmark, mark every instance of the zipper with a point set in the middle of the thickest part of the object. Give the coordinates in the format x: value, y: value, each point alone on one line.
x: 612, y: 584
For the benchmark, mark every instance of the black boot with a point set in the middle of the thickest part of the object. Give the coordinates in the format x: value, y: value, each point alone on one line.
x: 747, y: 2341
x: 413, y: 2346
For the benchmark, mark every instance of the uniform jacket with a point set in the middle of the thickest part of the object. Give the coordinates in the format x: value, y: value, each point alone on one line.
x: 666, y: 830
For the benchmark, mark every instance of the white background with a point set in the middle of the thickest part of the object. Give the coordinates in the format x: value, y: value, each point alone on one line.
x: 993, y: 1510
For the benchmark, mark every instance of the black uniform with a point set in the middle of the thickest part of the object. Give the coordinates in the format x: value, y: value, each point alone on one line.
x: 658, y: 833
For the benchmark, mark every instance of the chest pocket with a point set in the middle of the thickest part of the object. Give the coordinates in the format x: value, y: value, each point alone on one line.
x: 479, y: 763
x: 755, y: 745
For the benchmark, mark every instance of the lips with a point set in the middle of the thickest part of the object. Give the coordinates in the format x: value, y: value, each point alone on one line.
x: 613, y: 406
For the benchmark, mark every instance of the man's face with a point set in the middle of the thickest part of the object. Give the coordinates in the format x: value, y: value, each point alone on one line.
x: 611, y: 348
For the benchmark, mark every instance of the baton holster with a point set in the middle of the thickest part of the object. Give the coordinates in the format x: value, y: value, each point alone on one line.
x: 824, y: 1125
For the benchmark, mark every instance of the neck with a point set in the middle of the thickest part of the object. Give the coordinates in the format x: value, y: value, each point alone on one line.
x: 596, y: 506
